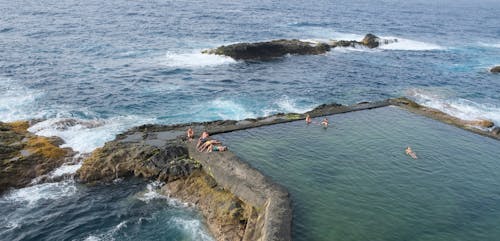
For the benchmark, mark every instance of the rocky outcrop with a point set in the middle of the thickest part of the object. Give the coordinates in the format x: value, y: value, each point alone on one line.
x: 25, y: 156
x: 227, y: 216
x: 495, y: 69
x: 270, y: 49
x: 279, y: 48
x: 120, y: 159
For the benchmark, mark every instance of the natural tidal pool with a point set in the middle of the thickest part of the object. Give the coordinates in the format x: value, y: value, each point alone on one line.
x: 353, y: 180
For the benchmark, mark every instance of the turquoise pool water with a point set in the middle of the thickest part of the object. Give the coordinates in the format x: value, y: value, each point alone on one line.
x: 353, y: 180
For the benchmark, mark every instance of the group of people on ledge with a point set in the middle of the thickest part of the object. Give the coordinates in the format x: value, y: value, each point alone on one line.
x: 205, y: 143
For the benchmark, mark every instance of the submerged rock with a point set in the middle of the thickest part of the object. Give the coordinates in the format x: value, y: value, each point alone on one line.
x: 270, y: 49
x: 25, y: 156
x: 495, y: 69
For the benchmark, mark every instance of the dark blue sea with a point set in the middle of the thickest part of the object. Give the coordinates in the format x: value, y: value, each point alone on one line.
x: 112, y: 65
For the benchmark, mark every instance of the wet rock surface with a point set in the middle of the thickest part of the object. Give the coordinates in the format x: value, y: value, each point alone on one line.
x: 118, y: 159
x: 279, y: 48
x: 25, y: 156
x: 495, y: 69
x: 227, y: 216
x: 270, y: 49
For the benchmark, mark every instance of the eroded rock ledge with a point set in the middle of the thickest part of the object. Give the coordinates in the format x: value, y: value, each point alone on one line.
x: 278, y: 48
x: 25, y: 156
x: 238, y: 202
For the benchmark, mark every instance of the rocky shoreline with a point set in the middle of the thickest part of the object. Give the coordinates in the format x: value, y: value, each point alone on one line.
x: 238, y: 202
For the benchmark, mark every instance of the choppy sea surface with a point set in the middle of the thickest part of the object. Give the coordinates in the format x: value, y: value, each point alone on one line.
x: 112, y: 65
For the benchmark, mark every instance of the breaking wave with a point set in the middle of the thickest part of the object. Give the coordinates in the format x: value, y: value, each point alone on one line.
x: 458, y: 107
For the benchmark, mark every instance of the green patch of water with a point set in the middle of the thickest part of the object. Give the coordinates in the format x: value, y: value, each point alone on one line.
x: 353, y: 180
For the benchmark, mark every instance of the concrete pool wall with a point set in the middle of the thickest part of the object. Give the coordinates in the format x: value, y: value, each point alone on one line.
x: 270, y: 201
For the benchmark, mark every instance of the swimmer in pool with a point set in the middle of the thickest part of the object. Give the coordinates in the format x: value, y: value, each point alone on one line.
x: 308, y: 119
x: 410, y: 152
x: 324, y: 123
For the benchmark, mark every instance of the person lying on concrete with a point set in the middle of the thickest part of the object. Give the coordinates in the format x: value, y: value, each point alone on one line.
x: 217, y: 147
x: 208, y: 145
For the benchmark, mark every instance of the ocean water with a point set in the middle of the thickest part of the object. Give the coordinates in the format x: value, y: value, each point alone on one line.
x: 353, y: 181
x: 122, y: 63
x: 112, y: 65
x: 124, y: 210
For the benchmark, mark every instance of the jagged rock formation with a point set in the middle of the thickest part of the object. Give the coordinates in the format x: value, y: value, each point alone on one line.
x: 25, y: 156
x: 278, y: 48
x: 118, y: 159
x: 271, y: 49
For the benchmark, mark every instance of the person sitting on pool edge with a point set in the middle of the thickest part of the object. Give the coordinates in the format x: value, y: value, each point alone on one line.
x: 410, y: 152
x: 324, y: 123
x: 203, y: 138
x: 190, y: 134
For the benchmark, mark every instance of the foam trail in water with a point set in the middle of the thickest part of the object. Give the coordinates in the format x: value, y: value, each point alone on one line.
x: 16, y: 101
x: 46, y: 191
x: 458, y: 107
x: 195, y: 60
x: 83, y: 135
x: 286, y: 104
x: 221, y: 108
x: 193, y: 227
x: 409, y: 45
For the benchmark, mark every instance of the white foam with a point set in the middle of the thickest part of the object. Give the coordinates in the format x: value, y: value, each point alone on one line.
x: 151, y: 192
x: 408, y: 45
x: 221, y: 108
x: 491, y: 45
x: 193, y: 227
x: 458, y: 107
x: 16, y: 101
x: 195, y: 60
x: 286, y: 104
x: 65, y: 169
x: 46, y: 191
x: 85, y: 138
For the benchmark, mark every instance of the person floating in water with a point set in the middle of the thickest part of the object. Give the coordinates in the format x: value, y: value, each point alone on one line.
x: 190, y: 134
x: 308, y: 119
x: 410, y: 152
x: 324, y: 123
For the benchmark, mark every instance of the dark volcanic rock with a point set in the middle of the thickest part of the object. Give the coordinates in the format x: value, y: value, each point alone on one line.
x: 278, y: 48
x: 118, y: 159
x: 495, y: 69
x: 371, y: 41
x: 25, y: 156
x: 270, y: 49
